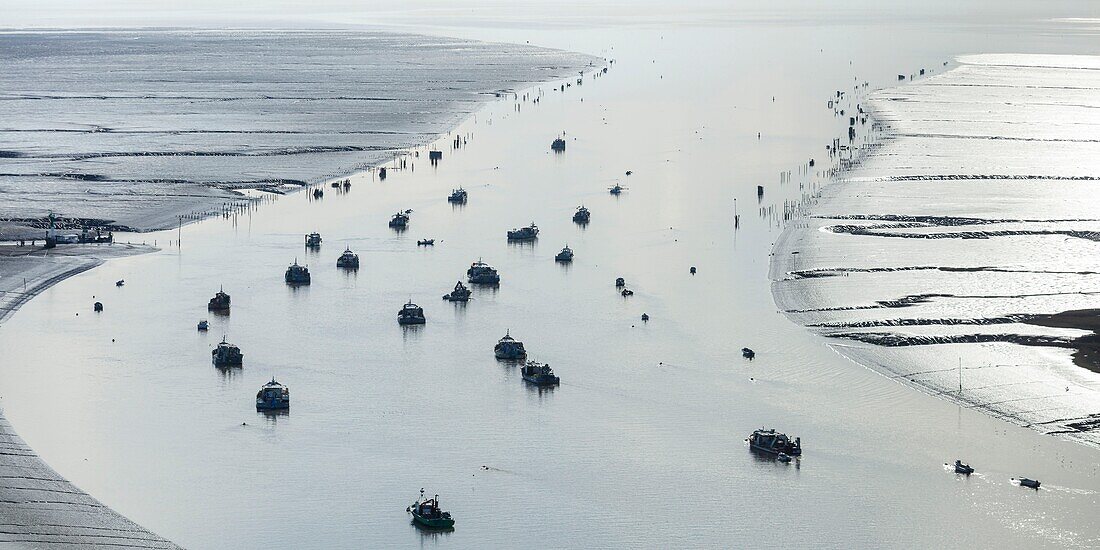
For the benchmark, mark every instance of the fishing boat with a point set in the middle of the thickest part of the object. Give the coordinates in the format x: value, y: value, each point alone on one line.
x: 313, y: 240
x: 481, y: 273
x: 510, y: 349
x: 620, y: 282
x: 273, y: 396
x: 297, y: 274
x: 962, y: 468
x: 426, y: 513
x: 528, y: 233
x: 425, y: 242
x: 219, y: 303
x: 400, y: 220
x: 410, y: 314
x: 458, y: 196
x: 459, y: 294
x: 616, y: 190
x: 203, y: 326
x: 1032, y: 483
x: 348, y: 260
x: 539, y: 374
x: 558, y: 144
x: 582, y: 215
x: 773, y: 442
x: 227, y: 355
x: 565, y: 256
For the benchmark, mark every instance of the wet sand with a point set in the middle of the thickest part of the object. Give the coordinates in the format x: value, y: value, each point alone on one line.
x: 147, y: 129
x: 1088, y: 347
x: 944, y: 253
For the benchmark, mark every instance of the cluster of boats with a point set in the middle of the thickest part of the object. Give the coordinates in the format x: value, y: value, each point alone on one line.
x: 533, y: 372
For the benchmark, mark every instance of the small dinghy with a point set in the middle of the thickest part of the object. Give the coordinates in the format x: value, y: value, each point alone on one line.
x: 426, y: 513
x: 425, y: 242
x: 204, y: 326
x: 627, y: 292
x: 1031, y: 483
x: 645, y: 317
x: 783, y: 457
x: 963, y: 468
x: 97, y: 307
x: 748, y: 353
x: 620, y: 282
x: 120, y: 282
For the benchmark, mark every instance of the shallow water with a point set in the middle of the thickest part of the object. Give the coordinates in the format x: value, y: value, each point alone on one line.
x: 641, y: 445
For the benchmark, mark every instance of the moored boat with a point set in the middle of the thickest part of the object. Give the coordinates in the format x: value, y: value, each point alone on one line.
x: 219, y: 303
x: 97, y: 307
x: 426, y: 513
x: 528, y: 233
x: 348, y: 260
x: 558, y: 144
x: 582, y: 215
x: 459, y: 294
x: 227, y: 355
x: 400, y: 220
x: 539, y: 374
x: 616, y: 190
x: 425, y: 242
x: 481, y: 273
x: 203, y: 326
x: 773, y: 442
x: 748, y: 353
x: 313, y: 240
x: 565, y: 256
x: 963, y: 468
x: 411, y: 314
x: 458, y: 196
x: 273, y: 396
x: 510, y: 349
x: 297, y: 274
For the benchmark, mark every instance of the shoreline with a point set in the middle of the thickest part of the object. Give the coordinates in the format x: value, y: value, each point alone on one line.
x: 33, y: 516
x: 40, y: 508
x: 923, y: 316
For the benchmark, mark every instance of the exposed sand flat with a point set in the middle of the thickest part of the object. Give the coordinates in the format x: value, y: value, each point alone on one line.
x: 134, y: 128
x: 39, y: 508
x: 942, y: 256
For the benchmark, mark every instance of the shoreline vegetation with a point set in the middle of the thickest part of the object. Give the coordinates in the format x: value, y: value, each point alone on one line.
x: 42, y: 508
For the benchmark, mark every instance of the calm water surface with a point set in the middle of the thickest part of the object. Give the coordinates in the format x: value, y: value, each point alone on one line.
x: 641, y: 445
